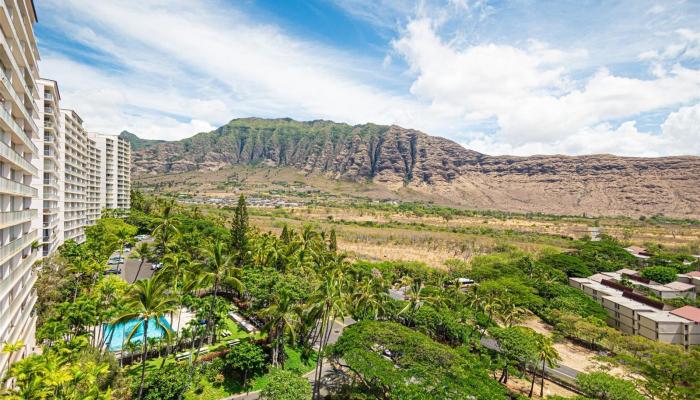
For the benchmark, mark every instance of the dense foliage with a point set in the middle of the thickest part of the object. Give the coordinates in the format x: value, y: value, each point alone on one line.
x: 422, y: 333
x: 394, y: 362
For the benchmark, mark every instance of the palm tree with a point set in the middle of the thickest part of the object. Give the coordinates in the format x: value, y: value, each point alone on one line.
x: 142, y: 251
x: 370, y: 297
x: 168, y: 224
x: 329, y: 302
x: 148, y: 299
x: 219, y: 269
x: 123, y: 236
x: 508, y: 312
x: 547, y: 355
x: 416, y: 296
x: 282, y: 320
x: 177, y: 265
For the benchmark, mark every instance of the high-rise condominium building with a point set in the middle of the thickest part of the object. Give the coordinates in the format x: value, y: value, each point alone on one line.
x: 94, y: 180
x: 75, y: 177
x: 20, y: 163
x: 51, y: 174
x: 115, y: 168
x: 54, y: 178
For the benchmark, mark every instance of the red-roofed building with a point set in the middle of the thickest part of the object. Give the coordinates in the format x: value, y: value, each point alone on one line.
x: 688, y: 312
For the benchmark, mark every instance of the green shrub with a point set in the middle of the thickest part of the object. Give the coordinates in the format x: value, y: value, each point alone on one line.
x: 661, y: 275
x: 163, y: 386
x: 286, y: 385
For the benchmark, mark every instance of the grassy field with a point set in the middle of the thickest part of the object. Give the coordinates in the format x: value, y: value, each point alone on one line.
x: 388, y: 234
x: 375, y: 223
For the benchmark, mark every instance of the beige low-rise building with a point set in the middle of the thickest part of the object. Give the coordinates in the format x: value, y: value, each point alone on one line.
x: 634, y: 314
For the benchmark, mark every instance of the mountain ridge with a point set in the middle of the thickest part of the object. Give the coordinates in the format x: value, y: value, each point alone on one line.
x: 401, y: 158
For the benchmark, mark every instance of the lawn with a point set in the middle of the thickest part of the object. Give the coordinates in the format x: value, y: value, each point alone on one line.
x: 154, y: 363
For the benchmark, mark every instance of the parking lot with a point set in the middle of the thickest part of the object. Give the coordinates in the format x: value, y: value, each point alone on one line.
x: 131, y: 265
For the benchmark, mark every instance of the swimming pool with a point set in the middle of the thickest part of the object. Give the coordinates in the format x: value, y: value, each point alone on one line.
x: 122, y: 330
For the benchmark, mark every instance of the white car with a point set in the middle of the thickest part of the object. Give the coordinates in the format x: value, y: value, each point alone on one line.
x: 156, y: 267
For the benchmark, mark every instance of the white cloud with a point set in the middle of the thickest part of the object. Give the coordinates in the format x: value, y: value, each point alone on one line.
x: 529, y: 92
x: 216, y: 64
x: 168, y: 69
x: 679, y: 136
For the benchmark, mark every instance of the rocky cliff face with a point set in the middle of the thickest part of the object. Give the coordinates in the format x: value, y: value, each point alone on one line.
x: 405, y: 158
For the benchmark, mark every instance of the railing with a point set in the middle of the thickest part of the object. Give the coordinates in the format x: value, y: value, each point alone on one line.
x: 11, y: 218
x: 11, y: 187
x: 10, y: 249
x: 5, y: 115
x: 5, y: 77
x: 7, y: 152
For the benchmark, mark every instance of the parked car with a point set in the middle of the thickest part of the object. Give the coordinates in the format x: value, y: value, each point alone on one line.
x: 115, y: 261
x: 141, y: 237
x: 113, y: 271
x: 156, y: 267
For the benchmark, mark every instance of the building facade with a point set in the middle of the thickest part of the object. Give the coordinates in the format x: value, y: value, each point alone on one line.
x: 20, y: 166
x: 51, y: 176
x: 54, y: 178
x: 115, y: 165
x: 635, y: 314
x: 75, y: 177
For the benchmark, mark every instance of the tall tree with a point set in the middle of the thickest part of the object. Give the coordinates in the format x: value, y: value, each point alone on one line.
x: 148, y: 299
x: 143, y: 252
x: 548, y: 356
x: 282, y: 321
x: 239, y: 230
x: 219, y: 269
x: 167, y: 225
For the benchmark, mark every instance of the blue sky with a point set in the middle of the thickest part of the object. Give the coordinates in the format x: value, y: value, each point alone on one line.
x: 501, y: 77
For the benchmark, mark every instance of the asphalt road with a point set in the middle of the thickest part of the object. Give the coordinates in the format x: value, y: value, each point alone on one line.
x: 559, y: 370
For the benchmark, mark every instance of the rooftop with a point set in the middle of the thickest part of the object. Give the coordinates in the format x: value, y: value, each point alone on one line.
x: 695, y: 274
x: 663, y: 316
x: 629, y: 303
x: 688, y: 312
x: 627, y: 271
x: 680, y: 286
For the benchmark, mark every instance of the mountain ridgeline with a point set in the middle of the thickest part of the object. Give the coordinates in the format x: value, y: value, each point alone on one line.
x: 409, y: 160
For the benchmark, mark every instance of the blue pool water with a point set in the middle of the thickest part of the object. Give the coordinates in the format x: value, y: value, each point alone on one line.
x: 122, y: 330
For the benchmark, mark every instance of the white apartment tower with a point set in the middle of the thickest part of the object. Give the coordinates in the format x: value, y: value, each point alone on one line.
x: 115, y: 165
x: 94, y: 182
x: 51, y: 185
x: 75, y: 177
x: 54, y: 178
x: 20, y: 163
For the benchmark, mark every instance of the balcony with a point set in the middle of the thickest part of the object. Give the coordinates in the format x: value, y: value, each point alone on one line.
x: 12, y: 218
x: 17, y: 130
x: 8, y: 153
x: 11, y: 187
x: 48, y: 96
x: 5, y: 77
x: 9, y: 321
x: 12, y: 248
